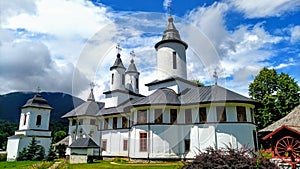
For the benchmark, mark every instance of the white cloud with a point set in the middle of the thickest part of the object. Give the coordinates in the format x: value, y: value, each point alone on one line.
x: 43, y: 41
x: 264, y: 8
x: 167, y: 4
x: 15, y: 7
x: 75, y: 48
x: 61, y: 18
x: 28, y: 64
x: 238, y: 55
x: 295, y: 34
x: 282, y: 65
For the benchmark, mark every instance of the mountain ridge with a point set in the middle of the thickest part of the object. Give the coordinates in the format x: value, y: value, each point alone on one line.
x: 61, y: 103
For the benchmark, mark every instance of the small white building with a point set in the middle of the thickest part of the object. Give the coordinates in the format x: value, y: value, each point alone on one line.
x: 175, y: 121
x: 34, y: 122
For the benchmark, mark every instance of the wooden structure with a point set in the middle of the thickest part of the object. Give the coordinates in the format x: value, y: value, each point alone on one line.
x: 283, y: 138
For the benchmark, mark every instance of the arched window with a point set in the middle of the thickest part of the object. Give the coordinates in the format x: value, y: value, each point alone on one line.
x: 38, y: 120
x: 25, y: 118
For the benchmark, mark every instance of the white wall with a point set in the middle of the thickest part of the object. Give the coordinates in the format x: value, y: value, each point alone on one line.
x: 12, y: 149
x: 165, y: 61
x: 16, y: 145
x: 31, y: 118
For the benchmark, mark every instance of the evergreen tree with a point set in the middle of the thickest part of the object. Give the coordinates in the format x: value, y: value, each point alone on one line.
x: 22, y: 155
x: 61, y: 150
x: 51, y: 154
x: 32, y: 148
x: 40, y: 154
x: 278, y: 94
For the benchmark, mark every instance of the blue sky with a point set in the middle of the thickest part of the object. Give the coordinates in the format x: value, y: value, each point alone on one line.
x: 63, y: 45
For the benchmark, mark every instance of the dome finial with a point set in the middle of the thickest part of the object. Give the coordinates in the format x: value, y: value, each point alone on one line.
x: 119, y: 49
x: 91, y: 96
x: 38, y: 90
x: 132, y: 54
x: 168, y: 6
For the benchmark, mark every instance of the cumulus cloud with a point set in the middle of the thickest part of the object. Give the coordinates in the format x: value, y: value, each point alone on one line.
x: 42, y: 41
x: 295, y: 34
x: 167, y: 4
x: 237, y: 55
x: 265, y: 8
x: 28, y: 64
x: 44, y: 45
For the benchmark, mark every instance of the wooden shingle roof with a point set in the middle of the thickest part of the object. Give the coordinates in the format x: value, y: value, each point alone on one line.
x: 292, y: 119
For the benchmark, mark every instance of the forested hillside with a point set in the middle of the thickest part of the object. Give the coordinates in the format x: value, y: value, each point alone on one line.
x: 62, y: 103
x: 10, y: 113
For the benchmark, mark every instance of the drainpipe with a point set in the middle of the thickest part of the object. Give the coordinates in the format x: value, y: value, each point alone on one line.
x: 148, y: 139
x: 129, y: 135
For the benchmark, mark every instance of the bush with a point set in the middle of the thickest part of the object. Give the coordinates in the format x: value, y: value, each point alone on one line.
x: 229, y: 158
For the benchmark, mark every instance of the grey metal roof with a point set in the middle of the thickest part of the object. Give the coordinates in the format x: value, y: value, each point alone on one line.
x: 122, y: 108
x: 88, y: 108
x: 118, y: 63
x: 171, y: 34
x: 171, y: 79
x: 126, y: 91
x: 292, y: 119
x: 84, y: 143
x: 132, y: 68
x: 166, y: 96
x: 160, y: 96
x: 193, y: 95
x: 37, y: 101
x: 212, y: 93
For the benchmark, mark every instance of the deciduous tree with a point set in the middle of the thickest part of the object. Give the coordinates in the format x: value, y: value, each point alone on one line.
x: 278, y: 94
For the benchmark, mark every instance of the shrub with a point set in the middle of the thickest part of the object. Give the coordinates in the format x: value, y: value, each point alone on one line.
x: 229, y: 158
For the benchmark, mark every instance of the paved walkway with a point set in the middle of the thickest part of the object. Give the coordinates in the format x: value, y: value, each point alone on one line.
x: 55, y: 165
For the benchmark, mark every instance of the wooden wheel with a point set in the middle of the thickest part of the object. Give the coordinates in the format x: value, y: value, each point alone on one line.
x: 288, y: 149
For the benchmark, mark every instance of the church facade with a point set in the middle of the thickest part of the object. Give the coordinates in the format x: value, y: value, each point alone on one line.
x: 174, y: 122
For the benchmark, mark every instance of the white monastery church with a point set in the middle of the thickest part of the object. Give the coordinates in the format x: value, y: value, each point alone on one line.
x: 174, y: 122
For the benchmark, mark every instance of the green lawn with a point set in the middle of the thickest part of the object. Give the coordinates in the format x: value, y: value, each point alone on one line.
x: 25, y: 164
x: 107, y: 164
x: 96, y: 164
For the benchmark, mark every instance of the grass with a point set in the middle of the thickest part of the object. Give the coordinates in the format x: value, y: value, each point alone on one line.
x: 119, y: 164
x: 108, y: 164
x: 25, y: 164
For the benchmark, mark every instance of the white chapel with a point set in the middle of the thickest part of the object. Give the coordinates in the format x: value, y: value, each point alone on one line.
x: 174, y: 122
x: 34, y: 122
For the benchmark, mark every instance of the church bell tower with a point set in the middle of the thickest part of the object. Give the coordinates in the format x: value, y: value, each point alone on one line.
x: 171, y: 54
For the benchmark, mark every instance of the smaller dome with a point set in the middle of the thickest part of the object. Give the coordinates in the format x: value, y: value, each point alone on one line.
x: 171, y: 34
x: 132, y: 68
x: 118, y: 63
x: 37, y: 101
